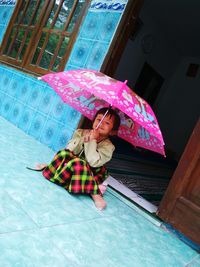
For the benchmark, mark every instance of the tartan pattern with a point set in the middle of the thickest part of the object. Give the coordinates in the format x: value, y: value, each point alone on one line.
x: 74, y: 173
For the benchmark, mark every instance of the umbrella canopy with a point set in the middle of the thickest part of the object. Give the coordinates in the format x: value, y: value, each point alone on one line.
x: 88, y: 90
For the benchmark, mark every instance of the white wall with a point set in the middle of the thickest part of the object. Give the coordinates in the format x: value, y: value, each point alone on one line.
x: 163, y: 58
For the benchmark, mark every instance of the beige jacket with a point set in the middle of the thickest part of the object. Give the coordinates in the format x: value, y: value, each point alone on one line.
x: 96, y: 154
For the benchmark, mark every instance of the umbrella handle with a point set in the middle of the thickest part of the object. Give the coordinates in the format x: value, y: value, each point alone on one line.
x: 103, y: 117
x: 97, y: 126
x: 81, y: 152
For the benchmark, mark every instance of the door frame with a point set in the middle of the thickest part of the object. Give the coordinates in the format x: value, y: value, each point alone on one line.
x: 180, y: 205
x: 126, y: 27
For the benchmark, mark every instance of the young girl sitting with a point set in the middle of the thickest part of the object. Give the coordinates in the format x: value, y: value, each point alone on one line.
x: 80, y: 167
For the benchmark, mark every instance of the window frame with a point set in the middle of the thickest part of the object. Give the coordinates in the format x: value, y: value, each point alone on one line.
x: 37, y: 31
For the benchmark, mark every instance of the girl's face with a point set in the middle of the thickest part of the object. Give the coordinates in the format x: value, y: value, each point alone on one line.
x: 106, y: 125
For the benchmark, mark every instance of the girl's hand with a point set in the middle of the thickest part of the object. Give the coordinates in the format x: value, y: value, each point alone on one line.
x: 91, y: 135
x: 86, y: 135
x: 94, y: 135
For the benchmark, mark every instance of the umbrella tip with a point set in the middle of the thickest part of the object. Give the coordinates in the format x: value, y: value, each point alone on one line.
x: 125, y: 82
x: 39, y: 78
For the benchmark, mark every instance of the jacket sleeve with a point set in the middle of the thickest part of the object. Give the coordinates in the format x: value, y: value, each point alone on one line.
x: 76, y: 143
x: 98, y: 154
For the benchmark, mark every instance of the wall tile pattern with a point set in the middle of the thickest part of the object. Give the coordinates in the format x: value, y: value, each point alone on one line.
x: 6, y: 11
x: 32, y: 105
x: 8, y: 2
x: 35, y: 108
x: 94, y: 40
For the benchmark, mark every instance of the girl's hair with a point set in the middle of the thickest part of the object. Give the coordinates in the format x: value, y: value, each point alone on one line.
x: 110, y: 113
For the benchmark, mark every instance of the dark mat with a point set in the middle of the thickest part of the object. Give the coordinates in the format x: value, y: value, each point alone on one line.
x: 144, y: 173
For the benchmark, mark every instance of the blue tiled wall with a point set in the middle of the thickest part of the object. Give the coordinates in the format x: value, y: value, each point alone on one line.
x: 35, y: 108
x: 95, y: 36
x: 31, y: 104
x: 6, y: 10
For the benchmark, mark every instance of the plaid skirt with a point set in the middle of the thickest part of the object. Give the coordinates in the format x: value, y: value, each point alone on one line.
x: 74, y: 173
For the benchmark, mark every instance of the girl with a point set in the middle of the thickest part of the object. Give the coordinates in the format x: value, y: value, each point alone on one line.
x: 80, y: 167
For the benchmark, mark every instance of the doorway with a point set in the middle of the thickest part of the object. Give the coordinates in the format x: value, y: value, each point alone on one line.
x: 148, y: 84
x: 143, y: 172
x: 183, y: 107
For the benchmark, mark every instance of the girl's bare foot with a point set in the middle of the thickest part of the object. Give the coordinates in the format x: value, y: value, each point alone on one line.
x: 99, y: 202
x: 102, y: 188
x: 40, y: 166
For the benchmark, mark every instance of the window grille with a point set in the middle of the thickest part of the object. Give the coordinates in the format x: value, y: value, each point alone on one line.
x: 41, y: 34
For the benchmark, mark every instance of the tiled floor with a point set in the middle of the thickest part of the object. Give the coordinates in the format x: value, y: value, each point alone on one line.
x: 42, y: 225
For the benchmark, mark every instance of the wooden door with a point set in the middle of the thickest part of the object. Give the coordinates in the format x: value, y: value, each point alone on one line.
x: 181, y: 204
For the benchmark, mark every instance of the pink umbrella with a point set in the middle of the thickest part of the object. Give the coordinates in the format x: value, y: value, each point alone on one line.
x: 88, y: 90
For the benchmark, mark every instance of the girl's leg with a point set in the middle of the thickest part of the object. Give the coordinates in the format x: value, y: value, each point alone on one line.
x: 59, y: 155
x: 99, y: 202
x: 55, y: 168
x: 40, y: 166
x: 75, y: 176
x: 83, y: 182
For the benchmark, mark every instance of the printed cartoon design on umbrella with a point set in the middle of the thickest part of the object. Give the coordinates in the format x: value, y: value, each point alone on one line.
x: 88, y: 90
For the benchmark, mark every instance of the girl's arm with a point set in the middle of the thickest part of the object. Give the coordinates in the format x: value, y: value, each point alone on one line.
x: 98, y: 154
x: 76, y: 143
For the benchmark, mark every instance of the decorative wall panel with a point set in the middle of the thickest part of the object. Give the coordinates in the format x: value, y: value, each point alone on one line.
x: 36, y: 109
x: 6, y: 10
x: 96, y: 34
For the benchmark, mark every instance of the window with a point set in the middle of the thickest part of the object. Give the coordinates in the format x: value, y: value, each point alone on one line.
x: 41, y: 34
